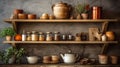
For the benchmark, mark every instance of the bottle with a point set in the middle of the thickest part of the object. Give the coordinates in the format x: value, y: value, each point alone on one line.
x: 70, y: 37
x: 34, y: 36
x: 23, y: 36
x: 41, y: 36
x: 28, y: 36
x: 48, y: 36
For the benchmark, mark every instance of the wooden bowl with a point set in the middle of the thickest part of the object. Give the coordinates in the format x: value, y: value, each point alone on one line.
x: 22, y: 16
x: 31, y: 16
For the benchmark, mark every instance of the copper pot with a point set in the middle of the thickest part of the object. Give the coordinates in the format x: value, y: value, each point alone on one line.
x: 22, y: 16
x: 31, y: 16
x: 61, y: 10
x: 110, y: 36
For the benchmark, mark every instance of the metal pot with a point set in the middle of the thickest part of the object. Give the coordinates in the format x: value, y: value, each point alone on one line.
x: 61, y: 10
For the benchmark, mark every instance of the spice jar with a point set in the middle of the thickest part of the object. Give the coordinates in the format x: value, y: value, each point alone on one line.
x: 64, y: 37
x: 41, y: 36
x: 28, y: 36
x: 70, y: 37
x: 48, y: 36
x: 23, y: 36
x: 56, y: 36
x: 34, y: 36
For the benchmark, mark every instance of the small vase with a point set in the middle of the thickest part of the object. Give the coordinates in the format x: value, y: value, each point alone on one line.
x: 84, y: 15
x: 78, y: 16
x: 8, y: 38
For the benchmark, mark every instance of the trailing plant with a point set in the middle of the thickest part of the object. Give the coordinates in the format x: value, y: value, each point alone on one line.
x: 82, y: 8
x: 8, y: 31
x: 10, y: 52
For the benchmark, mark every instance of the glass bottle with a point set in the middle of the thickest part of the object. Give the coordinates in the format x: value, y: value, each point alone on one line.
x: 41, y: 36
x: 28, y: 36
x: 63, y: 37
x: 48, y: 36
x: 23, y: 36
x: 70, y: 37
x: 34, y: 36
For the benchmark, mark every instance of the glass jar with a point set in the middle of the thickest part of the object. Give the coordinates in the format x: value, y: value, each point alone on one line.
x: 63, y: 37
x: 28, y: 36
x: 56, y: 36
x: 48, y: 36
x: 34, y: 36
x: 70, y: 37
x: 41, y: 36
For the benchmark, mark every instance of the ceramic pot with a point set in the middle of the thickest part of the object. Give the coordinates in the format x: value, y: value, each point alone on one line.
x: 84, y: 16
x: 17, y: 11
x: 61, y: 10
x: 32, y: 59
x: 8, y: 38
x: 11, y: 60
x: 103, y: 59
x: 114, y: 59
x: 22, y: 16
x: 31, y: 16
x: 110, y: 36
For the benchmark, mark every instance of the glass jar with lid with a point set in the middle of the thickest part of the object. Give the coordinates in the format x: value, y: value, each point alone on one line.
x: 41, y: 36
x: 56, y: 36
x: 28, y: 36
x: 48, y: 36
x: 34, y: 36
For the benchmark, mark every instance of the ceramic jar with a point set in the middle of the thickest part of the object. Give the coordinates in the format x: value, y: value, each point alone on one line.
x: 103, y: 59
x: 110, y: 36
x: 104, y: 38
x: 61, y: 10
x: 114, y: 59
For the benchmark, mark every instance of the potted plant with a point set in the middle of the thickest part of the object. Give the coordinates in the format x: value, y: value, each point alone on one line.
x: 7, y: 32
x: 12, y: 55
x: 82, y: 10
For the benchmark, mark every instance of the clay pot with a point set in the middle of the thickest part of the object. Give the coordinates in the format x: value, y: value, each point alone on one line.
x: 22, y: 16
x: 31, y: 16
x: 8, y: 38
x: 114, y: 59
x: 17, y: 11
x: 44, y: 16
x: 61, y: 10
x: 110, y: 36
x: 103, y: 59
x: 84, y: 15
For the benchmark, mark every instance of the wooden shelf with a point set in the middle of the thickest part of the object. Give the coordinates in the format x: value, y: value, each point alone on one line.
x: 64, y: 42
x: 60, y: 20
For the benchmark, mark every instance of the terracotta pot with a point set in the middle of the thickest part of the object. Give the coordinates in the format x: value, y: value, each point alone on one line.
x: 114, y: 59
x: 17, y: 11
x: 8, y: 38
x: 84, y: 15
x: 22, y: 16
x: 110, y: 36
x: 31, y: 16
x: 61, y: 10
x: 103, y: 59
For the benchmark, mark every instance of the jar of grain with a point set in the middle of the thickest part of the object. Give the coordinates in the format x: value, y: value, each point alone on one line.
x: 48, y: 36
x: 34, y: 36
x: 56, y: 36
x: 28, y: 36
x: 41, y: 36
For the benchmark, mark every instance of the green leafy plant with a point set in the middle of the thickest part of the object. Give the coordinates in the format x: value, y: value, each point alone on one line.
x: 10, y: 52
x: 8, y: 31
x: 82, y: 8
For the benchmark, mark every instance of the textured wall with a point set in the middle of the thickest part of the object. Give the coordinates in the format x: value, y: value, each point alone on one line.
x: 110, y: 10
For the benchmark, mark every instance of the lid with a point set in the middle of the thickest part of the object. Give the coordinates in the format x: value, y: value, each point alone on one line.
x: 40, y: 32
x: 48, y: 32
x: 56, y: 32
x: 33, y: 31
x: 61, y: 4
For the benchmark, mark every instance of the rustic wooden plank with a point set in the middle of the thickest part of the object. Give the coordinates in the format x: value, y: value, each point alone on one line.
x: 60, y: 20
x: 64, y: 42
